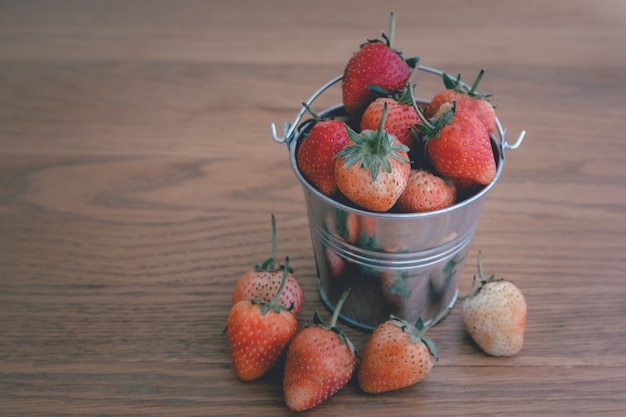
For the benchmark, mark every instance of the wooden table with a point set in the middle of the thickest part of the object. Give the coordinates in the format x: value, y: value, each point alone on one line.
x: 138, y: 175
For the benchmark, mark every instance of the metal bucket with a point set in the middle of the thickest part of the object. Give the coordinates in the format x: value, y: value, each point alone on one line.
x: 405, y: 264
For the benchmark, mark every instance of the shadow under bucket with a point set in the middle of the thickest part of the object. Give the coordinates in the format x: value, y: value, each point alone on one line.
x: 402, y: 264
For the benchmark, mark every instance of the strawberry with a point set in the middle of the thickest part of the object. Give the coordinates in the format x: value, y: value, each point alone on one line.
x: 375, y: 63
x: 426, y: 192
x: 397, y: 355
x: 401, y: 117
x: 467, y: 99
x: 258, y: 333
x: 458, y: 146
x: 373, y: 172
x: 315, y: 155
x: 263, y: 282
x: 320, y: 361
x: 494, y: 314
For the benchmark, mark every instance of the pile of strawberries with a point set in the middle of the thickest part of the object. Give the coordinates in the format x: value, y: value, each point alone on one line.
x: 319, y: 359
x: 386, y: 153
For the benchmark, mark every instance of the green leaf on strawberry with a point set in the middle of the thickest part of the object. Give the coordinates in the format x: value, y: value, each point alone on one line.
x: 372, y: 150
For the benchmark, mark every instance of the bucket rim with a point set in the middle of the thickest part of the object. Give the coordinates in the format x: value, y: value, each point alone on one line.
x: 293, y: 145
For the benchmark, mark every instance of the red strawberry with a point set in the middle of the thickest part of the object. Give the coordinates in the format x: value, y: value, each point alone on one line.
x: 375, y: 63
x: 467, y: 99
x: 426, y: 192
x: 373, y: 172
x: 263, y: 282
x: 401, y: 117
x: 320, y: 361
x: 317, y: 150
x: 494, y: 315
x: 258, y: 333
x: 397, y: 355
x: 458, y: 146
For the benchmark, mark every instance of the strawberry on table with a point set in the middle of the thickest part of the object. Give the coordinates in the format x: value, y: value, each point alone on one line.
x: 258, y: 332
x: 467, y: 99
x: 458, y: 146
x: 373, y: 172
x: 263, y: 282
x: 426, y: 191
x: 320, y: 361
x: 494, y: 314
x: 315, y: 155
x: 375, y: 63
x: 397, y: 355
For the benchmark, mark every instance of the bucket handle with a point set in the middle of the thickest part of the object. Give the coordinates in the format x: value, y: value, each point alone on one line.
x: 289, y: 128
x: 512, y: 146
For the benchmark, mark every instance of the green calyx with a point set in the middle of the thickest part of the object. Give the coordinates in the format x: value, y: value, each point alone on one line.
x: 404, y: 96
x: 480, y: 279
x: 372, y: 150
x: 431, y: 128
x: 317, y: 320
x: 455, y: 84
x: 419, y: 329
x: 274, y: 305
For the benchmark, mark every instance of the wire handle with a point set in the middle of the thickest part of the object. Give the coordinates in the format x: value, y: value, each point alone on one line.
x: 289, y: 129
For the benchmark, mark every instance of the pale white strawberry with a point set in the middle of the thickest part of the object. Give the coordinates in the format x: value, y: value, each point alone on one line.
x: 494, y: 314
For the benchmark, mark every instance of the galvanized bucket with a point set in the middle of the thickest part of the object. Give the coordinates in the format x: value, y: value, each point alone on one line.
x: 403, y: 264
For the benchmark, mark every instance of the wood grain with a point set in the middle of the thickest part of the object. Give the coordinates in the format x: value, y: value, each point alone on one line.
x: 138, y: 175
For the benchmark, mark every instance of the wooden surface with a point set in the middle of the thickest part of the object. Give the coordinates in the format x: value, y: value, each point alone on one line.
x: 138, y: 175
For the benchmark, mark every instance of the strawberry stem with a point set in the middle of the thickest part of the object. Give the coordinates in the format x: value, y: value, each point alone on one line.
x: 342, y: 300
x: 392, y: 29
x: 268, y: 264
x: 274, y: 305
x: 421, y: 116
x: 308, y: 108
x: 480, y: 266
x: 430, y: 128
x: 273, y: 253
x: 472, y: 91
x: 456, y: 85
x: 423, y: 328
x: 388, y: 41
x: 379, y: 141
x: 479, y: 279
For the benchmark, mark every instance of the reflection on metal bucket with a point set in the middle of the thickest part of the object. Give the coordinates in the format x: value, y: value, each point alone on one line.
x: 405, y: 264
